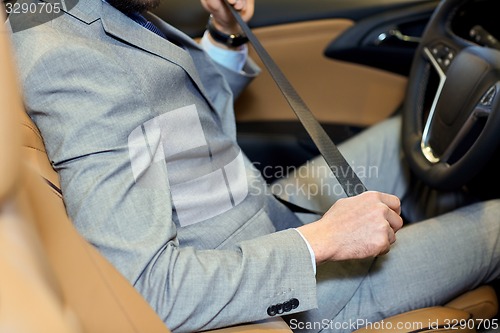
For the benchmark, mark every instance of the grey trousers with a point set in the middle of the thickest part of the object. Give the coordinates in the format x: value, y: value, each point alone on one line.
x: 431, y: 262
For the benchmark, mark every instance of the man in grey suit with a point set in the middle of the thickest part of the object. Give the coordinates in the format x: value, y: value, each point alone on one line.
x: 138, y: 121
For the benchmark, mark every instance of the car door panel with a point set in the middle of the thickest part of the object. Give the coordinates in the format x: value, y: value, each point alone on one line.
x: 336, y: 91
x: 387, y: 41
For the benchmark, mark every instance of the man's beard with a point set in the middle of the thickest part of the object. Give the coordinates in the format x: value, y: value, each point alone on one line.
x: 130, y: 6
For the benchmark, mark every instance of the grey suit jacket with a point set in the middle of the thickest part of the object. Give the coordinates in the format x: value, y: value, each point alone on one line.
x: 142, y: 134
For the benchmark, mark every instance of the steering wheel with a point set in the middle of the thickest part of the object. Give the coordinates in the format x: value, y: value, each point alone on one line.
x: 451, y: 115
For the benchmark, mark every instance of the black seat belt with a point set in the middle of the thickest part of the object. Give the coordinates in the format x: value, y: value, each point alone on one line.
x: 345, y: 175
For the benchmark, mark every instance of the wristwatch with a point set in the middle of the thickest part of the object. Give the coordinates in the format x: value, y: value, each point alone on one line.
x: 232, y: 40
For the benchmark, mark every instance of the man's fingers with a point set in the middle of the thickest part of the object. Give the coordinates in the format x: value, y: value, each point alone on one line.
x: 389, y: 200
x: 384, y: 252
x: 391, y: 236
x: 237, y: 4
x: 392, y: 202
x: 394, y: 219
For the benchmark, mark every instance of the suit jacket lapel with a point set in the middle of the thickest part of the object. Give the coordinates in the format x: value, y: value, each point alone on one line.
x: 120, y: 26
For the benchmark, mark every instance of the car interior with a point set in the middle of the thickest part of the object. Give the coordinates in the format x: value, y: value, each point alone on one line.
x: 355, y: 63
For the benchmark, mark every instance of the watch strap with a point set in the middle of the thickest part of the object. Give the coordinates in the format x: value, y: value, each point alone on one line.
x: 230, y: 40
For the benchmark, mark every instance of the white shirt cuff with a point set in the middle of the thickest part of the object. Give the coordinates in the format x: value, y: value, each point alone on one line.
x: 231, y: 59
x: 311, y: 252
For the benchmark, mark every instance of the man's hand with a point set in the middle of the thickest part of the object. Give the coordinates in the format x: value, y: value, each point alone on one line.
x: 355, y: 228
x: 222, y: 17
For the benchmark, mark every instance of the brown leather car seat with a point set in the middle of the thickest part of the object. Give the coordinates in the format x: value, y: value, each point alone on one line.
x: 52, y: 280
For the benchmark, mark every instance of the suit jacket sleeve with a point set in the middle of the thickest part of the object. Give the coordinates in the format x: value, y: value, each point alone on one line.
x: 79, y: 111
x: 238, y: 81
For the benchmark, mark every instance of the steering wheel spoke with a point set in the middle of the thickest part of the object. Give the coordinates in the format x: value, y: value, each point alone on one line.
x: 433, y: 57
x: 481, y: 111
x: 441, y: 56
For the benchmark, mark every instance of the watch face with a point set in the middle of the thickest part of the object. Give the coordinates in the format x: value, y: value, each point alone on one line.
x: 233, y: 40
x: 237, y: 40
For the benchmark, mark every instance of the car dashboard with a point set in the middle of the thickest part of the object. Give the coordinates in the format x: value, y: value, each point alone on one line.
x: 477, y: 22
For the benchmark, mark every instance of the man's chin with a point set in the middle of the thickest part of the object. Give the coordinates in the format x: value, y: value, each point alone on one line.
x: 130, y: 6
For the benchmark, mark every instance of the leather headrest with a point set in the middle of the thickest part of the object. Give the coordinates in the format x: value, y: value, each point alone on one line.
x: 10, y: 108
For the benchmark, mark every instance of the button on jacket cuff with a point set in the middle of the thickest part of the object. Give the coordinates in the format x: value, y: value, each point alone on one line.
x: 283, y: 308
x: 311, y: 252
x: 231, y: 59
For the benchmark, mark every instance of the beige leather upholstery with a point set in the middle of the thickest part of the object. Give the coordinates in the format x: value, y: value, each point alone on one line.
x: 34, y: 150
x: 482, y: 303
x: 433, y: 319
x: 335, y: 91
x: 478, y: 304
x: 51, y: 279
x: 274, y: 325
x: 9, y: 155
